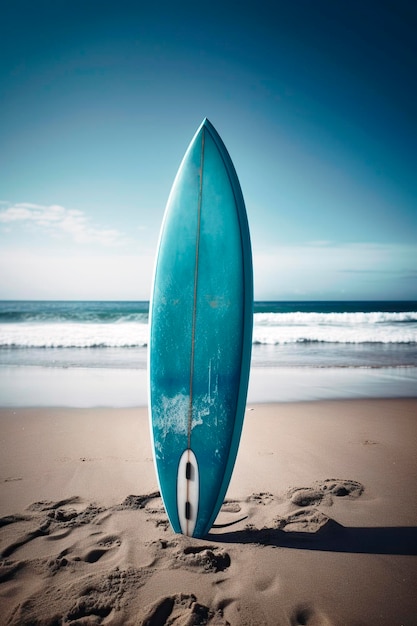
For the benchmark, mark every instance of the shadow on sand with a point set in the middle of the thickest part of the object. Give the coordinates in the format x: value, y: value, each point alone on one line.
x: 332, y: 537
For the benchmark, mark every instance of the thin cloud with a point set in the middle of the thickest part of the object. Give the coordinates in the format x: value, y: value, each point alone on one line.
x: 26, y: 274
x: 354, y: 270
x: 59, y: 221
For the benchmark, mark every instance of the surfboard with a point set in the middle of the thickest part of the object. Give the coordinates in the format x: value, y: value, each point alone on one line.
x: 201, y: 318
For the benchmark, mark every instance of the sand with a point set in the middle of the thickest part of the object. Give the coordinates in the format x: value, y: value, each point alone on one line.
x: 323, y: 504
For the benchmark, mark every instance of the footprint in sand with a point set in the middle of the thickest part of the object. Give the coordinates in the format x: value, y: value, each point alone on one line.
x: 303, y: 514
x: 104, y: 546
x: 48, y: 505
x: 152, y: 504
x: 103, y: 597
x: 155, y: 508
x: 70, y: 583
x: 181, y: 608
x: 178, y: 553
x: 206, y: 558
x: 305, y: 496
x: 342, y: 488
x: 306, y: 520
x: 322, y: 492
x: 57, y: 563
x: 60, y: 515
x: 138, y: 502
x: 110, y: 541
x: 263, y: 497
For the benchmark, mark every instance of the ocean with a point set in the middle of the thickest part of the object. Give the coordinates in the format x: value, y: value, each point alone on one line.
x: 291, y: 336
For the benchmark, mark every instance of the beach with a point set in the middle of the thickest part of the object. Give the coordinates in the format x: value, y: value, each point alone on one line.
x: 322, y: 506
x: 319, y: 522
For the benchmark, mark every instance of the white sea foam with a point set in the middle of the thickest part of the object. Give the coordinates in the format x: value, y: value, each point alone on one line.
x: 298, y: 327
x: 269, y: 329
x: 352, y: 319
x: 74, y: 335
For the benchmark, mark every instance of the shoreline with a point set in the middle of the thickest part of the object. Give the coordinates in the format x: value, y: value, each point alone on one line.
x: 28, y: 386
x: 329, y: 537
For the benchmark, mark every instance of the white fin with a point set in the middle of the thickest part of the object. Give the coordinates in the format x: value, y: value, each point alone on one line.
x: 187, y: 492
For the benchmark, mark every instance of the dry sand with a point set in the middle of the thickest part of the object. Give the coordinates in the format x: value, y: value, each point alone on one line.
x: 327, y: 491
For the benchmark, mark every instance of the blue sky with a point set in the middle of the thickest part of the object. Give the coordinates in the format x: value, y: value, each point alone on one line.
x: 315, y: 101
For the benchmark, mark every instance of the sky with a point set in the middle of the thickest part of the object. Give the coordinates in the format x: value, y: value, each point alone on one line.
x: 315, y: 100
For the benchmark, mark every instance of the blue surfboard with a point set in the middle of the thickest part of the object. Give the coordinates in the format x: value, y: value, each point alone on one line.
x: 201, y: 318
